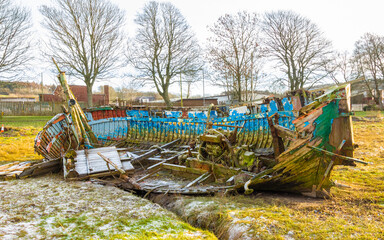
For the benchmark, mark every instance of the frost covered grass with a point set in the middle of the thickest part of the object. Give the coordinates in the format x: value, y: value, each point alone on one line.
x: 352, y: 213
x: 48, y: 207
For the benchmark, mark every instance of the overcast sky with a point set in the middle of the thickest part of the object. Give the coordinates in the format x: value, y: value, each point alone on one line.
x: 343, y: 22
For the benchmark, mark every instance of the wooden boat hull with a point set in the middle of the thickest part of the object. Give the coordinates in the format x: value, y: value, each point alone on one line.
x: 306, y: 141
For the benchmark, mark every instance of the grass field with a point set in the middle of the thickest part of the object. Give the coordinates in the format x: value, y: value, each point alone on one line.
x: 16, y: 143
x: 24, y: 121
x: 370, y: 114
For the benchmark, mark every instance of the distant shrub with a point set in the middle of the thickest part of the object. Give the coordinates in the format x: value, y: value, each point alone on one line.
x: 372, y: 107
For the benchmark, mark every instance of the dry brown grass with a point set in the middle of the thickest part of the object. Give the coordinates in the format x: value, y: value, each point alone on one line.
x: 16, y: 144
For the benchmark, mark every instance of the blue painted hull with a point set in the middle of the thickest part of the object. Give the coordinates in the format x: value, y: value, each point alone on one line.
x: 255, y: 129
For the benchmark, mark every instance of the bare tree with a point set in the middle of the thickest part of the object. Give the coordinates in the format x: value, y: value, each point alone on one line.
x: 163, y: 48
x: 234, y: 52
x: 187, y: 81
x: 15, y: 25
x: 341, y: 68
x: 86, y: 38
x: 129, y: 90
x: 346, y: 67
x: 190, y: 80
x: 298, y: 47
x: 369, y: 58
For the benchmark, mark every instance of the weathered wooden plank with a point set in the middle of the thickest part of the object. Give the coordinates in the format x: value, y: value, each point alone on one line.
x: 181, y: 168
x: 197, y: 180
x: 339, y: 156
x: 89, y: 162
x: 148, y: 175
x: 155, y: 151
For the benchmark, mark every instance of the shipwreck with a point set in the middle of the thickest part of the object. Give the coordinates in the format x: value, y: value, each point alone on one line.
x: 289, y: 144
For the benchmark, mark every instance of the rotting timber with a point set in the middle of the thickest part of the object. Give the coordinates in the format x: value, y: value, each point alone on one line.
x: 289, y: 144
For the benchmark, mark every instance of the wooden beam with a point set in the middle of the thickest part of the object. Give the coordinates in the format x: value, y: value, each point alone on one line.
x: 180, y: 168
x: 278, y: 144
x: 148, y: 175
x: 337, y: 155
x: 155, y: 151
x: 112, y: 163
x: 285, y: 132
x: 196, y: 180
x: 164, y: 161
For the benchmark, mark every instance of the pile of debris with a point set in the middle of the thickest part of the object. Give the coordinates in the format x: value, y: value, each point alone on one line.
x: 18, y: 170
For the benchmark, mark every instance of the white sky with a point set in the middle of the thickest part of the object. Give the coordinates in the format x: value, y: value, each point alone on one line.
x: 343, y: 22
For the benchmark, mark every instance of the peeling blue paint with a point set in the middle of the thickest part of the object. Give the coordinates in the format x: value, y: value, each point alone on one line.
x: 273, y: 107
x: 287, y: 105
x: 264, y: 108
x: 160, y: 129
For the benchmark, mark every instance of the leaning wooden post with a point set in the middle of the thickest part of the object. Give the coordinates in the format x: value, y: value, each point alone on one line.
x: 83, y: 130
x: 278, y: 144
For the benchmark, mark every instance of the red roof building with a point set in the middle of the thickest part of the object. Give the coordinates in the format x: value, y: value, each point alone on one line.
x: 80, y: 93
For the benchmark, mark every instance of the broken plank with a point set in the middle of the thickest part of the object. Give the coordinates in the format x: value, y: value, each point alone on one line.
x: 110, y: 162
x: 197, y: 180
x: 127, y: 166
x: 148, y: 175
x: 89, y: 162
x: 181, y: 168
x: 96, y: 175
x: 6, y: 166
x: 205, y: 178
x: 337, y: 155
x: 155, y: 151
x: 285, y: 132
x: 164, y: 161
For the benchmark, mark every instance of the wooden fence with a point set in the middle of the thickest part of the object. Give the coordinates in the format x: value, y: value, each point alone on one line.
x: 30, y: 108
